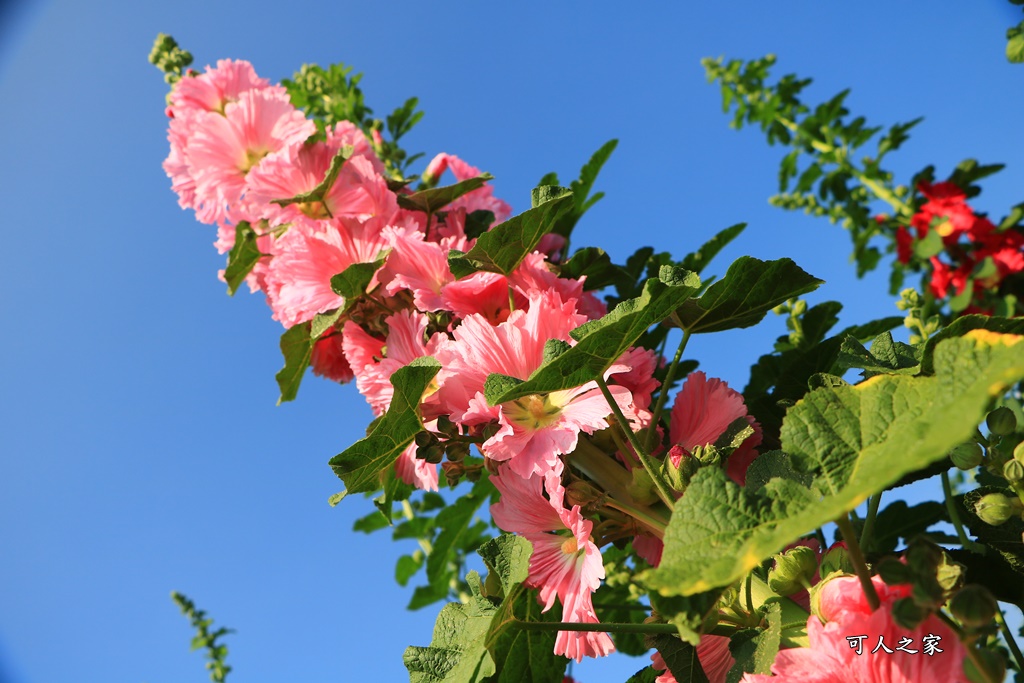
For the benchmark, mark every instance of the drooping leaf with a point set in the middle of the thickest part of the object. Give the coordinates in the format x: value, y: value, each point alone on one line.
x: 352, y: 282
x: 360, y: 465
x: 503, y: 247
x: 681, y: 659
x: 453, y: 522
x: 244, y: 255
x: 698, y: 260
x: 855, y: 441
x: 749, y: 290
x: 595, y: 265
x: 601, y: 342
x: 318, y: 193
x: 297, y: 349
x: 436, y: 198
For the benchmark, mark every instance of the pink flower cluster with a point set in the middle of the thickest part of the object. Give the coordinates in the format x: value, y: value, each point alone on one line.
x: 238, y: 144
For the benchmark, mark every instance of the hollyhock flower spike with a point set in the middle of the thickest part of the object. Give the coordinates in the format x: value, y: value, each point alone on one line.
x: 566, y: 564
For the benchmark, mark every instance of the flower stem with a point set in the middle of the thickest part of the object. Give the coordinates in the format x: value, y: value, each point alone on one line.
x: 652, y: 431
x: 645, y: 460
x: 1011, y: 642
x: 857, y: 558
x: 954, y: 517
x: 869, y: 523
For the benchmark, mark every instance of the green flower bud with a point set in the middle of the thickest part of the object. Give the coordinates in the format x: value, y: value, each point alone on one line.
x: 1018, y: 452
x: 973, y: 606
x: 1001, y: 421
x: 1013, y: 470
x: 908, y: 614
x: 837, y: 559
x: 793, y: 570
x: 996, y: 509
x: 894, y: 572
x: 966, y: 456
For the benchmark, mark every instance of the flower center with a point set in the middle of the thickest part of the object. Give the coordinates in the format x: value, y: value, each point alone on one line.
x: 315, y: 210
x: 569, y: 546
x: 533, y: 412
x: 252, y: 157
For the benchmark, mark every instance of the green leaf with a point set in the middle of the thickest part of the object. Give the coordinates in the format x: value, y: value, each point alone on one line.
x: 646, y: 675
x: 1015, y: 43
x: 318, y: 193
x: 772, y: 465
x: 886, y: 356
x: 749, y: 290
x: 698, y: 260
x: 601, y: 342
x: 930, y: 245
x: 457, y: 653
x: 681, y: 659
x: 407, y: 566
x: 361, y: 464
x: 352, y: 282
x: 503, y: 247
x: 755, y: 650
x: 898, y: 520
x: 436, y: 198
x: 595, y: 265
x: 522, y: 655
x: 962, y: 326
x: 297, y: 349
x: 324, y: 322
x: 453, y: 521
x: 508, y: 556
x: 856, y: 441
x: 582, y: 199
x: 244, y: 255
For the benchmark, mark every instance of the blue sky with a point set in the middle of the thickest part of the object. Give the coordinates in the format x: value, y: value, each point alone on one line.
x: 140, y: 447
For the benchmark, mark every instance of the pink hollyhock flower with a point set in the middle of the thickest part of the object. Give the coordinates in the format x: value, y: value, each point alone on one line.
x: 301, y: 166
x: 715, y: 660
x: 223, y: 149
x: 534, y: 430
x: 837, y: 654
x: 417, y: 265
x: 298, y: 280
x: 482, y: 293
x: 565, y: 562
x: 480, y: 199
x: 702, y: 411
x: 216, y: 88
x: 374, y: 361
x: 534, y: 275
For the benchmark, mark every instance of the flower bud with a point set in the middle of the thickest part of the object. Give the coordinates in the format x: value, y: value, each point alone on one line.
x: 973, y: 606
x: 894, y: 572
x: 966, y: 456
x: 836, y: 559
x: 793, y: 570
x: 1018, y: 452
x: 1013, y: 470
x: 1001, y: 421
x: 908, y: 614
x: 996, y: 509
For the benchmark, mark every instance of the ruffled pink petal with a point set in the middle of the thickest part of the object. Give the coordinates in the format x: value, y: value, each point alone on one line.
x: 416, y: 265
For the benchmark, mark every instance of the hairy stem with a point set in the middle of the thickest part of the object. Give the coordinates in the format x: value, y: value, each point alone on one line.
x: 1011, y: 642
x: 857, y: 559
x: 869, y: 523
x: 652, y: 431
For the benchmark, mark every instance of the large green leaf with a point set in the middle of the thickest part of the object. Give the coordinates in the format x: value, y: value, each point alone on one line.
x: 352, y: 282
x: 749, y: 290
x: 962, y: 326
x: 457, y: 653
x: 242, y: 257
x: 594, y: 264
x: 361, y: 464
x: 582, y: 199
x: 503, y: 247
x: 601, y: 342
x: 855, y: 440
x: 681, y: 659
x: 755, y: 650
x: 435, y: 198
x: 297, y: 349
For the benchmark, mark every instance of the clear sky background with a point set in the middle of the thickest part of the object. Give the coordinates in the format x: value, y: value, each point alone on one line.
x: 140, y: 447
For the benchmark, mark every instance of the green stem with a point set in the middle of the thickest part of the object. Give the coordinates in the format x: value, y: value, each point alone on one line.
x: 857, y: 559
x: 1011, y: 642
x: 652, y: 431
x: 869, y: 523
x: 954, y: 517
x: 659, y: 484
x: 750, y: 596
x: 655, y: 524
